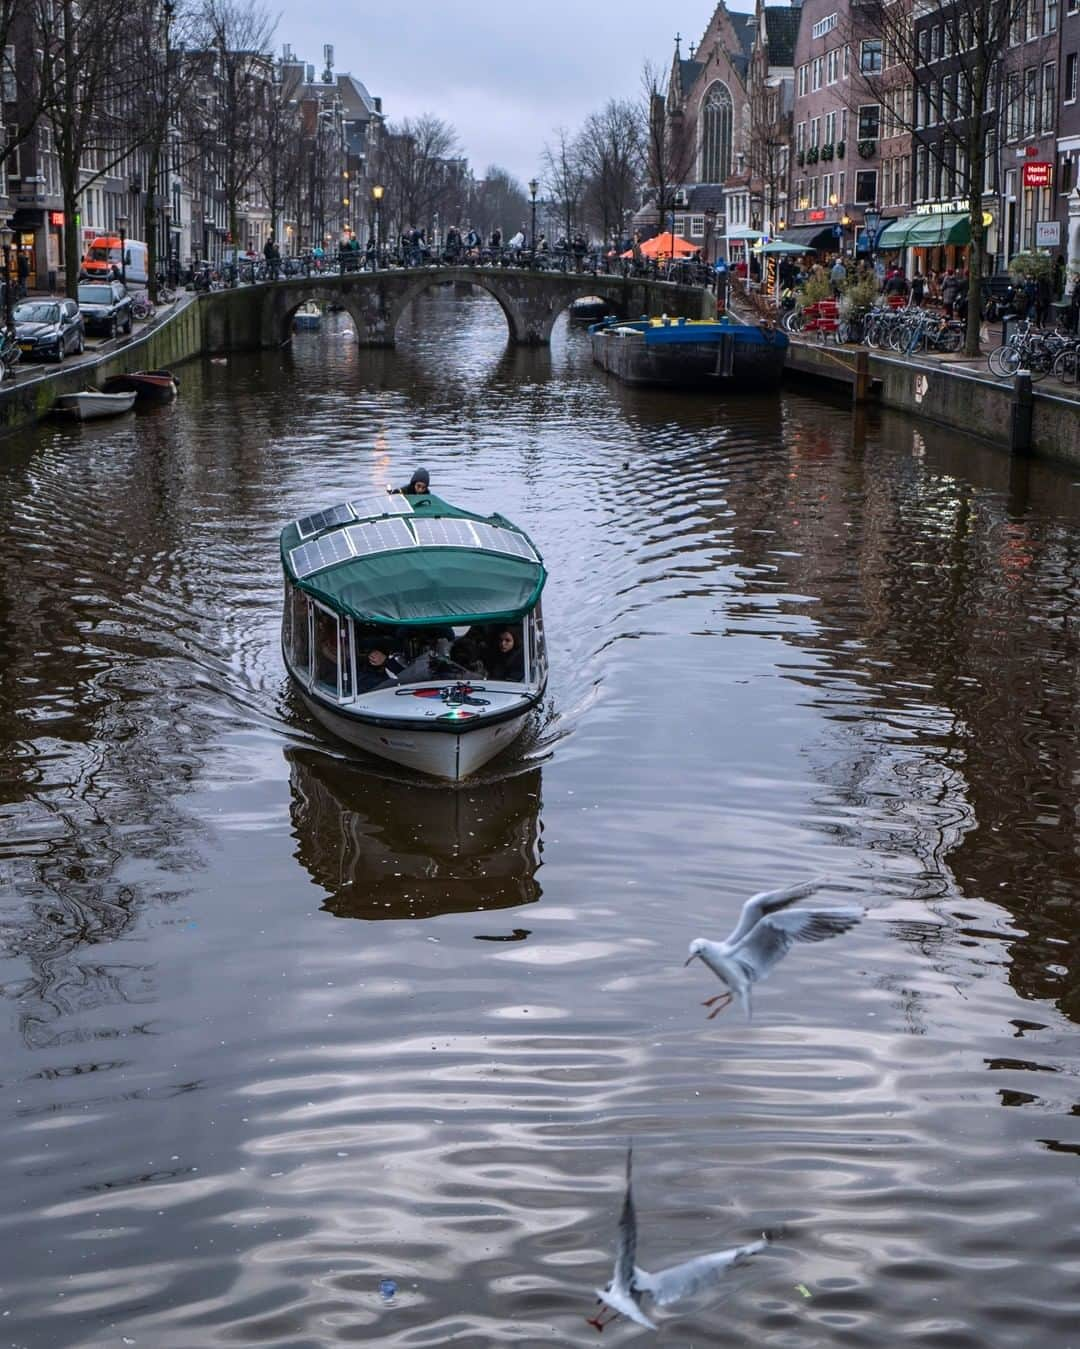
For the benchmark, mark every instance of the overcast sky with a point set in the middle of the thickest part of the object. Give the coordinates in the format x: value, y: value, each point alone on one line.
x: 505, y: 75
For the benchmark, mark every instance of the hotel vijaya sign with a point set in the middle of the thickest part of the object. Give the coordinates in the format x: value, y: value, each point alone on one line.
x: 1038, y: 174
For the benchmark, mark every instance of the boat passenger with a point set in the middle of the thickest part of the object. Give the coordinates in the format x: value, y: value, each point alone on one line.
x: 508, y: 662
x: 466, y: 655
x: 377, y: 669
x: 418, y: 485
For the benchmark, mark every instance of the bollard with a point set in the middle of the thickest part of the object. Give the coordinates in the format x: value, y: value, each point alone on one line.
x: 860, y: 388
x: 1022, y: 407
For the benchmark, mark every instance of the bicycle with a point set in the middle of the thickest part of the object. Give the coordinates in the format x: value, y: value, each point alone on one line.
x: 141, y: 306
x: 10, y: 353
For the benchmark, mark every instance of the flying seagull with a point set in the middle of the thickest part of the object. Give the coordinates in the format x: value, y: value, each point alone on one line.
x: 764, y: 934
x: 630, y: 1283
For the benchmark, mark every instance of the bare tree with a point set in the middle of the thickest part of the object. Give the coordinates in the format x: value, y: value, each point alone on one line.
x: 611, y: 146
x: 159, y: 34
x: 235, y: 36
x: 564, y: 178
x: 955, y: 110
x: 87, y: 91
x: 497, y: 200
x: 669, y: 142
x: 279, y: 171
x: 420, y: 159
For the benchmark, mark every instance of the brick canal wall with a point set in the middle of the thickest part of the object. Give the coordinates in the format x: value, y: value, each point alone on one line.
x: 944, y: 393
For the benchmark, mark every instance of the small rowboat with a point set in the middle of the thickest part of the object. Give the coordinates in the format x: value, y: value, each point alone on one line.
x: 93, y: 403
x: 309, y: 315
x: 431, y: 586
x: 149, y: 386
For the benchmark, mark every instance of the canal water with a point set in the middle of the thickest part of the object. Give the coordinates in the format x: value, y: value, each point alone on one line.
x: 298, y: 1050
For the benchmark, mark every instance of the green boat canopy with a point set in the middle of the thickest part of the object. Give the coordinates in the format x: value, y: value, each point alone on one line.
x: 396, y: 568
x: 925, y: 231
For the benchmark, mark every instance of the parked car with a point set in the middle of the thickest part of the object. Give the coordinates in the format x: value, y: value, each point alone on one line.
x: 105, y: 307
x: 48, y: 328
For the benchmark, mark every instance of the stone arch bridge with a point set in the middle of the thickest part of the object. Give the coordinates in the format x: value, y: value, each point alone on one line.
x: 261, y: 315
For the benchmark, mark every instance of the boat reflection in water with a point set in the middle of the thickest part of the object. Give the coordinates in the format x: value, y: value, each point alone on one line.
x: 383, y: 847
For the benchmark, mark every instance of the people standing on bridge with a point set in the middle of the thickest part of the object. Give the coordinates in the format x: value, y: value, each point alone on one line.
x: 452, y: 245
x: 472, y: 243
x: 271, y: 256
x: 517, y: 241
x: 495, y: 243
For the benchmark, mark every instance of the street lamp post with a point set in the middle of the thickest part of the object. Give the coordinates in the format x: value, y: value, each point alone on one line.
x: 377, y: 195
x: 121, y: 225
x: 871, y: 221
x: 533, y: 188
x: 6, y: 236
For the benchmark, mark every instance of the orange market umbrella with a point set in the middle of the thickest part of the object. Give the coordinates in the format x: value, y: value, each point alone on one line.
x: 661, y: 247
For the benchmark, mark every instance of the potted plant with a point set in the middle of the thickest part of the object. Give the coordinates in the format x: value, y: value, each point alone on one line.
x: 839, y: 149
x: 812, y: 155
x: 800, y: 158
x: 867, y: 149
x: 826, y: 152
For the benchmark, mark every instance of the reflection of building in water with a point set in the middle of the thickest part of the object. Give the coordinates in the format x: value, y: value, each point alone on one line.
x: 386, y: 848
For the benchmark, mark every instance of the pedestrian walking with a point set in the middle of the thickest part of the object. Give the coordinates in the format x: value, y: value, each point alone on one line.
x: 22, y: 270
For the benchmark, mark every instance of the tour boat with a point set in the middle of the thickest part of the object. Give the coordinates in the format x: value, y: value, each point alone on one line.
x: 435, y: 588
x: 721, y: 353
x: 91, y: 403
x: 148, y: 386
x: 309, y: 315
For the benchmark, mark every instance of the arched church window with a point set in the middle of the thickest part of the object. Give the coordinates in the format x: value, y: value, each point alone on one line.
x: 716, y: 134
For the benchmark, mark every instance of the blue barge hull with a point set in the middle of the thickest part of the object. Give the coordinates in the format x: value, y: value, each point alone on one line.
x: 691, y: 354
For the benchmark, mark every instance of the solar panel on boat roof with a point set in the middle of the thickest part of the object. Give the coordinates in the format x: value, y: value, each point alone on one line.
x: 319, y: 520
x: 499, y: 540
x: 380, y: 536
x: 321, y: 553
x: 390, y: 503
x: 444, y: 533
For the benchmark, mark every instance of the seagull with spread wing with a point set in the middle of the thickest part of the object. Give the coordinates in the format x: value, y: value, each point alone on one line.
x: 766, y: 931
x: 630, y: 1283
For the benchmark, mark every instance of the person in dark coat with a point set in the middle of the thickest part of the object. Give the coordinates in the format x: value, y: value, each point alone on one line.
x: 418, y: 485
x: 508, y: 662
x: 377, y: 669
x: 1043, y: 297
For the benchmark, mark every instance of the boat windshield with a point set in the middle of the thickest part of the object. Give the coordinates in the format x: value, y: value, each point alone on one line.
x: 37, y: 313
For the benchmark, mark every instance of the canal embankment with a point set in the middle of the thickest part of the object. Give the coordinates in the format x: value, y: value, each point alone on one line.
x: 175, y: 334
x: 949, y: 390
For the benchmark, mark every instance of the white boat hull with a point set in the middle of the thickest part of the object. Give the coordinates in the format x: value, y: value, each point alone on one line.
x: 87, y: 406
x: 421, y: 743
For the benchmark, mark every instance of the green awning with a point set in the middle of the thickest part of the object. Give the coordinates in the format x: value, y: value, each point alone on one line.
x: 430, y: 585
x: 925, y: 231
x: 468, y: 569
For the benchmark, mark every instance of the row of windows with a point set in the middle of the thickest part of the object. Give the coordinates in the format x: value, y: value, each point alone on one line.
x: 1031, y: 100
x: 829, y: 189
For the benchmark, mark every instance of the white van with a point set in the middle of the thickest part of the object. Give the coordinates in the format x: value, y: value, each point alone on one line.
x: 104, y: 254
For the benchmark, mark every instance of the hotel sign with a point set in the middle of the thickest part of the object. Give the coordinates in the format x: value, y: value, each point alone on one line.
x: 1038, y: 173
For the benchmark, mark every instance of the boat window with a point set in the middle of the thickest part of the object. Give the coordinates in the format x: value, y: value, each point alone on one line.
x: 326, y: 650
x: 536, y: 645
x: 345, y: 656
x: 299, y: 645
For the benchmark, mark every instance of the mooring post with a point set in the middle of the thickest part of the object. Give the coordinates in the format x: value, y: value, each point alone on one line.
x: 1022, y: 406
x: 860, y: 388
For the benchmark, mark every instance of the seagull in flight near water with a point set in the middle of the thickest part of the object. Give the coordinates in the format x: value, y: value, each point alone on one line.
x: 629, y: 1283
x: 764, y: 934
